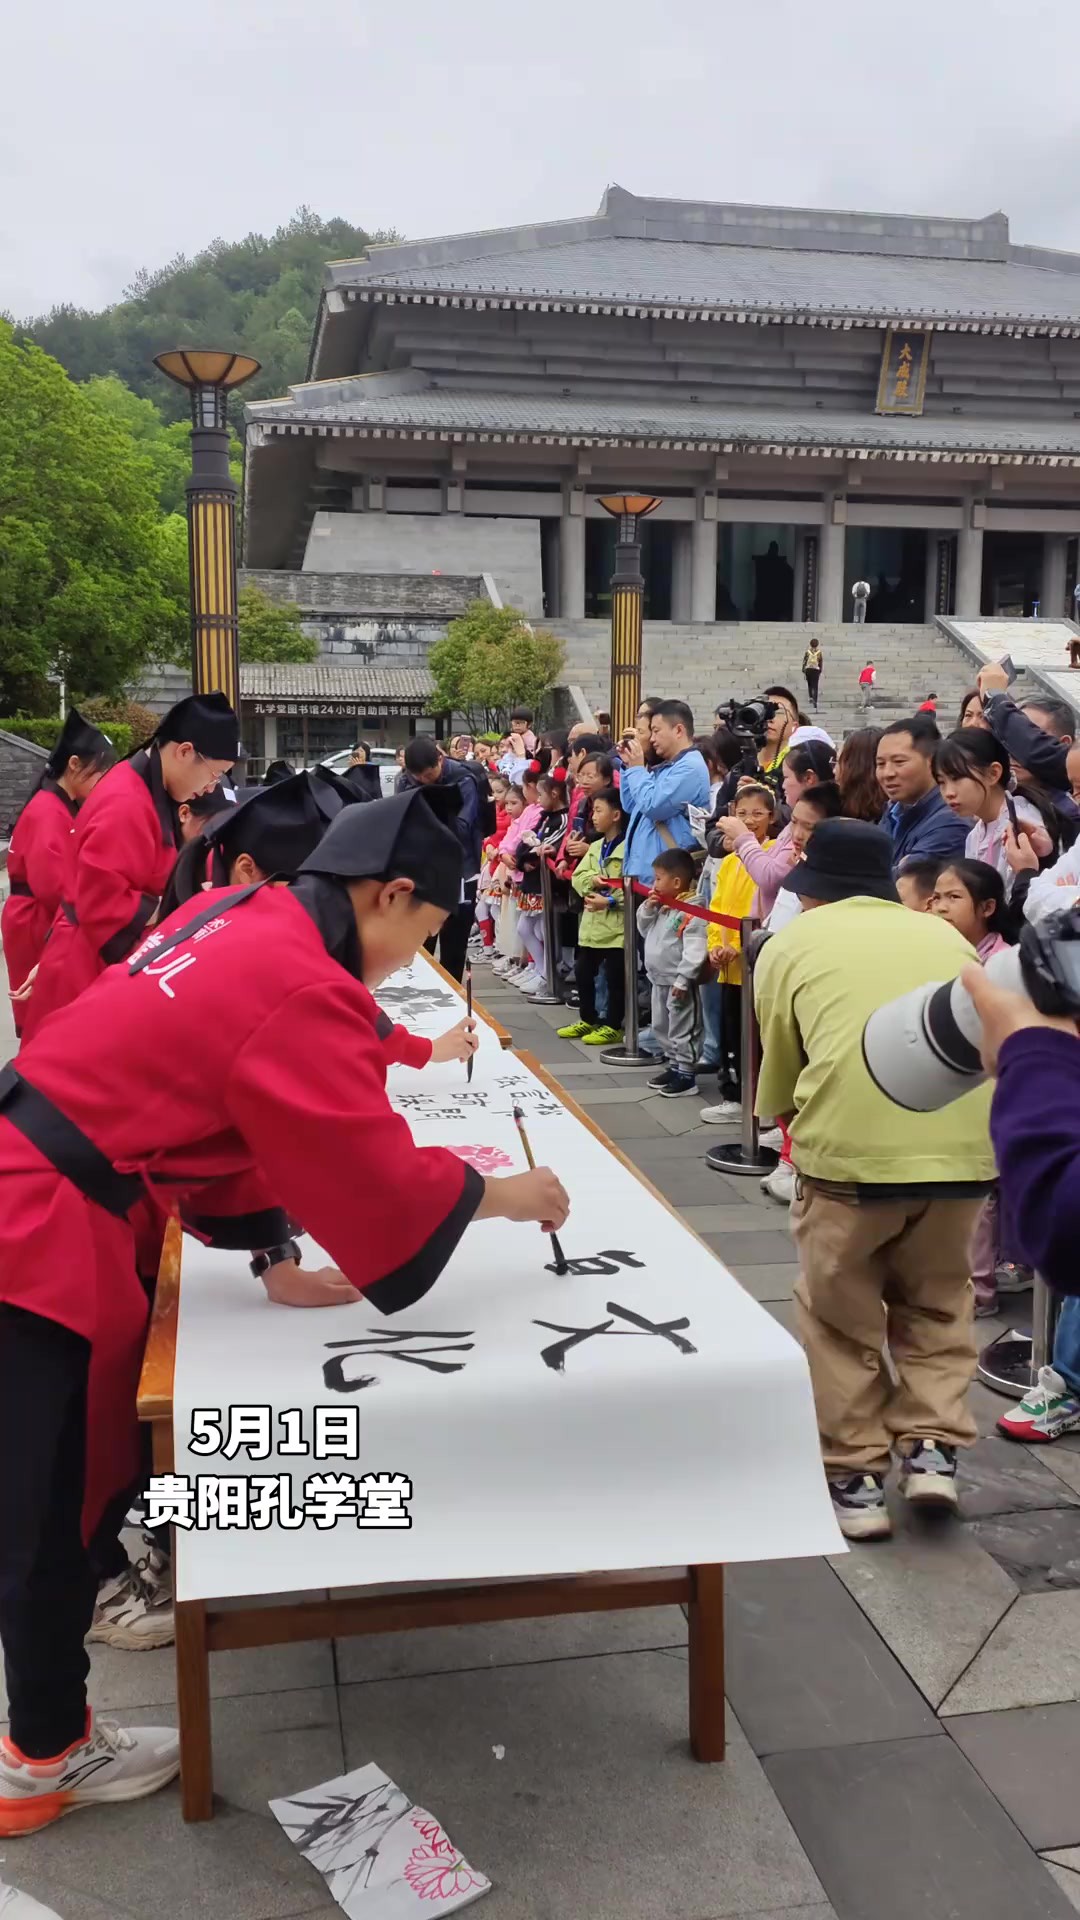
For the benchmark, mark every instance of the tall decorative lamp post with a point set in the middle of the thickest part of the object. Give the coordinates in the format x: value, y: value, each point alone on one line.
x: 627, y: 594
x: 211, y: 505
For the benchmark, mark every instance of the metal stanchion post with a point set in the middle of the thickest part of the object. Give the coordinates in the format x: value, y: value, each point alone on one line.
x: 548, y: 997
x: 628, y: 1054
x: 744, y: 1155
x: 1010, y: 1364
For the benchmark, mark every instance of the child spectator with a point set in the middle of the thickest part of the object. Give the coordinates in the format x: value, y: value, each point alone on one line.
x: 755, y: 811
x: 674, y: 954
x: 973, y: 771
x: 916, y: 882
x: 486, y: 897
x: 814, y: 804
x: 534, y: 846
x: 970, y: 895
x: 598, y: 883
x: 522, y: 816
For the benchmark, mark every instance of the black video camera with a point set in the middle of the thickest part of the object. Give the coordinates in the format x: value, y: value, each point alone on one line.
x: 748, y: 720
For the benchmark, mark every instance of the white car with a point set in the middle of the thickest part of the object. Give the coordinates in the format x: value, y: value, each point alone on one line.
x: 385, y: 758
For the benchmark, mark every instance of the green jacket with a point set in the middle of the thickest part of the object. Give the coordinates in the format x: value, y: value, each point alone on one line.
x: 600, y: 929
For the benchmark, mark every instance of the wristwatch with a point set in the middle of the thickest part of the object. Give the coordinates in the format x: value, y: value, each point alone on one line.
x: 273, y: 1256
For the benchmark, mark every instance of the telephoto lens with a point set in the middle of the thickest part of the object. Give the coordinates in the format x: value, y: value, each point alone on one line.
x: 922, y: 1051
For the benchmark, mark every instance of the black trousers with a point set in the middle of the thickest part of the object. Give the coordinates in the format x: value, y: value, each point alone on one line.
x: 48, y: 1579
x: 730, y: 1070
x: 588, y: 963
x: 453, y: 936
x: 812, y: 675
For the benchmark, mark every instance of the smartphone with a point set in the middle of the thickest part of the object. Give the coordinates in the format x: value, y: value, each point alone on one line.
x: 1012, y: 672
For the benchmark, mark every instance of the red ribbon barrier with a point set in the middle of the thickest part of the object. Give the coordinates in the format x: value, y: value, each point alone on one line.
x: 682, y: 906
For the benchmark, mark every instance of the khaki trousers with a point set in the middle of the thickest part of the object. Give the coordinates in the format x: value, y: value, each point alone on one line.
x: 908, y: 1256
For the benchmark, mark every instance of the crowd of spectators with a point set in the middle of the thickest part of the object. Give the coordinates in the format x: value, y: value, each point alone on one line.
x: 929, y: 850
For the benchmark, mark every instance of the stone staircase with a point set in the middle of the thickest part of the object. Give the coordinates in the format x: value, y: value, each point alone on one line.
x: 705, y: 665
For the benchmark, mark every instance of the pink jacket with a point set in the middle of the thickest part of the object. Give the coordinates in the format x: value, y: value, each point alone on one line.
x: 525, y: 823
x: 768, y: 868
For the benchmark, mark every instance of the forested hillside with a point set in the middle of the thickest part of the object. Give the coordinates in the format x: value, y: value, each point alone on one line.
x: 259, y: 294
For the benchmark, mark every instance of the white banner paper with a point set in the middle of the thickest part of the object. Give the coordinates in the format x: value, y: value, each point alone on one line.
x: 642, y: 1410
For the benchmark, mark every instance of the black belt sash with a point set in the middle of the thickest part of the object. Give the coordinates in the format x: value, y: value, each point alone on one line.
x: 19, y: 890
x: 65, y: 1146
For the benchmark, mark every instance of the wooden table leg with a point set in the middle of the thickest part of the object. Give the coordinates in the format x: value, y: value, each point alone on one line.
x: 193, y: 1707
x: 707, y: 1662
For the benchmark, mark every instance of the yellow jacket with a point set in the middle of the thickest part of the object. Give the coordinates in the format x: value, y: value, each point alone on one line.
x: 733, y: 893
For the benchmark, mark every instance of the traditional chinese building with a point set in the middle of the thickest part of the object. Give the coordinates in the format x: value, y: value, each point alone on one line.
x: 819, y: 397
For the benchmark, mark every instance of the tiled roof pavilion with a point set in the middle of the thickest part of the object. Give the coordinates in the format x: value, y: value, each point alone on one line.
x: 730, y: 358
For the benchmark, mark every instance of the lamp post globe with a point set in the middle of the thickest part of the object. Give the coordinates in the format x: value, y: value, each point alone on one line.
x: 209, y: 376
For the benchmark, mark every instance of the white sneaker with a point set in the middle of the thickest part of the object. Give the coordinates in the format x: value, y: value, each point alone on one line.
x: 22, y: 1906
x: 111, y: 1763
x: 1047, y: 1410
x: 774, y: 1140
x: 502, y: 964
x: 722, y: 1114
x: 135, y: 1610
x: 780, y: 1183
x: 528, y: 980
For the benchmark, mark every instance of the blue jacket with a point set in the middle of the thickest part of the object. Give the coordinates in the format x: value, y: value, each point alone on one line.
x: 924, y: 830
x: 656, y: 796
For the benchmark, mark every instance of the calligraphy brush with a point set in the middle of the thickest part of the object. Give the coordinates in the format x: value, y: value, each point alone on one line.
x: 468, y: 1009
x: 562, y: 1265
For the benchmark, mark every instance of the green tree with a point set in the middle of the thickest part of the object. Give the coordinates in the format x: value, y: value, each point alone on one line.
x: 271, y: 630
x: 88, y: 583
x: 491, y: 661
x: 165, y: 448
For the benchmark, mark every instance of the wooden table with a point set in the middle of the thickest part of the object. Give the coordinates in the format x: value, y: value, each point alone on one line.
x: 207, y: 1626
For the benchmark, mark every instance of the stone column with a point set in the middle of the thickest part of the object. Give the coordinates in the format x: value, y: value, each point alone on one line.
x: 682, y: 571
x: 1054, y: 569
x: 572, y: 555
x: 703, y: 560
x: 969, y: 562
x: 931, y: 579
x: 270, y: 751
x: 830, y: 593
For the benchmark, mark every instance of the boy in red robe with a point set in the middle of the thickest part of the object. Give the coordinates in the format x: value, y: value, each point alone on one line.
x: 39, y: 857
x: 234, y: 1070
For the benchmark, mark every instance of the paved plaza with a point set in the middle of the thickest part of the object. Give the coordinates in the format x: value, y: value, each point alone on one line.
x: 903, y: 1721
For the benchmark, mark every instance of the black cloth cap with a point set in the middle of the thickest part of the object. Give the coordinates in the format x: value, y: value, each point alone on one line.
x: 277, y: 770
x: 78, y: 737
x: 278, y: 826
x: 845, y: 858
x: 403, y: 838
x: 208, y: 721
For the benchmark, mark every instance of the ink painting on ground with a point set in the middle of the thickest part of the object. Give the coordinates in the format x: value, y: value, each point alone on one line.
x: 381, y: 1857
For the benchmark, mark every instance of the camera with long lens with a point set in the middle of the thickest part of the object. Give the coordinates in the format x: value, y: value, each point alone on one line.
x: 922, y: 1051
x: 748, y: 720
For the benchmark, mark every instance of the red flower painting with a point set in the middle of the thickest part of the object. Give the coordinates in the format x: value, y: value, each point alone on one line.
x: 435, y: 1870
x: 484, y: 1159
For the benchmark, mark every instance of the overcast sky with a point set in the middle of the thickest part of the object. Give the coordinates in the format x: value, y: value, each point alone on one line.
x: 131, y: 132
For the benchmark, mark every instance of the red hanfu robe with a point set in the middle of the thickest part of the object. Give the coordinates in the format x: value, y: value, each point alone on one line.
x: 123, y: 851
x: 38, y: 867
x: 242, y: 1078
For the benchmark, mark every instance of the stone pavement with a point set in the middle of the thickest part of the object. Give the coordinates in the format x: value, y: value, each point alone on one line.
x: 904, y: 1723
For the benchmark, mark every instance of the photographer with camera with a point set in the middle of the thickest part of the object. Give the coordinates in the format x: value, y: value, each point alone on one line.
x: 1035, y: 1124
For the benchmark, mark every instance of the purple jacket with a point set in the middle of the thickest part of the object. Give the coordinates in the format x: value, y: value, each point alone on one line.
x: 1035, y: 1126
x: 768, y: 867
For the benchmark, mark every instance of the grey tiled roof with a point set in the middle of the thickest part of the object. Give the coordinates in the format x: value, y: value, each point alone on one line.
x: 451, y: 412
x: 781, y: 279
x: 323, y: 681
